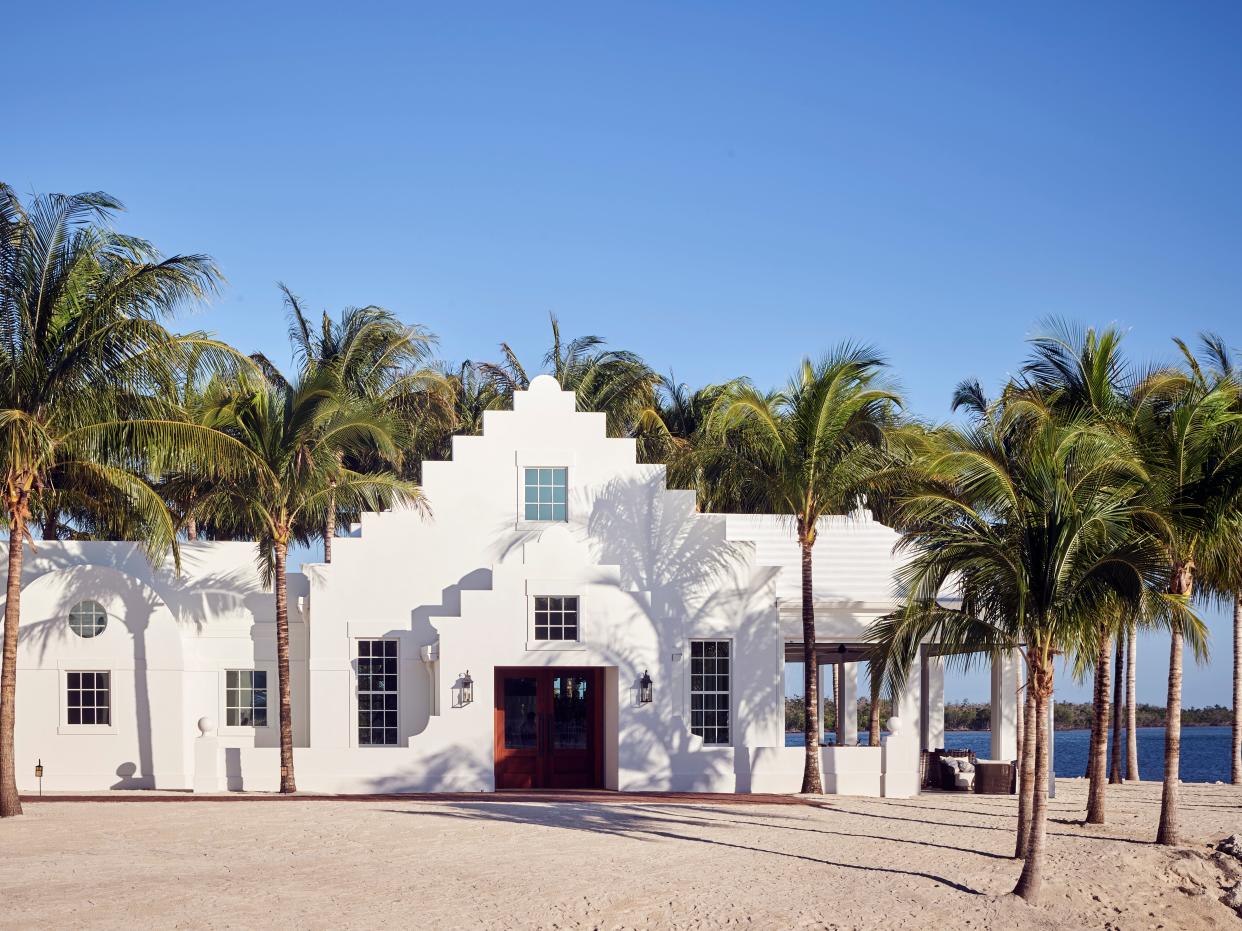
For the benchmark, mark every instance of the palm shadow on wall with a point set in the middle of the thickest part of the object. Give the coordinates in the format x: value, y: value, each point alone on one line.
x: 687, y: 581
x: 191, y: 602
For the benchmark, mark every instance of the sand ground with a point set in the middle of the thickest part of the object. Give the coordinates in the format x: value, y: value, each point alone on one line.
x: 939, y: 861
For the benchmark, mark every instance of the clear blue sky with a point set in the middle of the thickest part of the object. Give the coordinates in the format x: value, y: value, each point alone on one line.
x: 720, y: 187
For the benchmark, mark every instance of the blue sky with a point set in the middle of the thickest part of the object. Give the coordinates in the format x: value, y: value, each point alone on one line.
x: 720, y: 187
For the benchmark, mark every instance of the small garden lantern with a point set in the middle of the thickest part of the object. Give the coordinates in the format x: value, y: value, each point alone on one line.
x: 644, y: 689
x: 39, y: 774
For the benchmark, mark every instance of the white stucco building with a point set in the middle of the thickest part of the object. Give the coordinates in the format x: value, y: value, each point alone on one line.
x: 554, y: 573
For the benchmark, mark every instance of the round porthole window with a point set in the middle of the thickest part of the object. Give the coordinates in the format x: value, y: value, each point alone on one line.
x: 87, y: 619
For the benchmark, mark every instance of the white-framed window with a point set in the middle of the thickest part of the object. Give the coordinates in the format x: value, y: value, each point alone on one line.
x: 544, y: 493
x: 88, y: 698
x: 88, y: 619
x: 710, y: 680
x: 556, y: 617
x: 245, y: 698
x: 377, y: 692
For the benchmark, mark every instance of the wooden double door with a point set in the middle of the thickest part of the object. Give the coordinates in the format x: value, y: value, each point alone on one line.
x: 549, y: 728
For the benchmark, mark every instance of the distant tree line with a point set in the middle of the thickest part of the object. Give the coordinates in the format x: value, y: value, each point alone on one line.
x: 977, y: 716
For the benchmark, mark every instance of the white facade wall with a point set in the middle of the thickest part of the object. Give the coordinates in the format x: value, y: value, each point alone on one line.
x: 455, y: 589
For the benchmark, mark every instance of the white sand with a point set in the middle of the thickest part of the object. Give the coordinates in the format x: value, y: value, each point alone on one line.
x: 940, y: 861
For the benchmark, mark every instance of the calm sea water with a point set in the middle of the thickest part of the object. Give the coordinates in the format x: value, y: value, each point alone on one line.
x: 1205, y: 751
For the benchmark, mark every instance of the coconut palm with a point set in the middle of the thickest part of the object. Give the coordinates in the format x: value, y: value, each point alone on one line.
x: 1115, y: 776
x: 1219, y: 563
x: 83, y: 361
x: 1021, y: 534
x: 1081, y: 374
x: 375, y: 357
x: 615, y: 382
x: 1189, y: 431
x: 677, y: 431
x: 811, y: 450
x: 299, y: 433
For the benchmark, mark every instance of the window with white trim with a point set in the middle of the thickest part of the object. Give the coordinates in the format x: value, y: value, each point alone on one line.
x: 245, y: 702
x: 88, y: 619
x: 709, y: 690
x: 377, y: 693
x: 544, y: 493
x: 88, y: 698
x: 556, y: 617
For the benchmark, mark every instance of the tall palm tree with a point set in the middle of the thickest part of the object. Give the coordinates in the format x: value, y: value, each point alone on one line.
x: 1081, y: 374
x: 1027, y: 520
x: 616, y: 382
x: 811, y: 450
x: 1220, y: 565
x: 1114, y: 769
x: 1190, y: 442
x: 83, y: 361
x: 299, y: 433
x: 372, y: 356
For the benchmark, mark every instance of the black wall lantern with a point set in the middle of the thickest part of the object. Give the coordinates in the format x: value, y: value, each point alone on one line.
x: 467, y: 689
x: 644, y: 689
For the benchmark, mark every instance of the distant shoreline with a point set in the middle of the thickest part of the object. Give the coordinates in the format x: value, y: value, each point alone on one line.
x: 976, y: 716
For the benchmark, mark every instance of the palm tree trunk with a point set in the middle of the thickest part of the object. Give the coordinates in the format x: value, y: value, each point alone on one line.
x: 10, y: 801
x: 873, y: 737
x: 287, y: 782
x: 1099, y: 728
x: 329, y: 530
x: 1236, y: 765
x: 1132, y: 765
x: 1183, y: 583
x: 1114, y: 772
x: 1032, y: 878
x: 811, y: 781
x: 1026, y: 785
x: 191, y: 528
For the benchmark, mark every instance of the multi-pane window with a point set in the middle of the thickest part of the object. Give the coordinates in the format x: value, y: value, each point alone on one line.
x: 89, y: 699
x: 556, y: 617
x: 709, y: 690
x: 88, y: 619
x: 544, y: 493
x: 377, y: 693
x: 245, y: 693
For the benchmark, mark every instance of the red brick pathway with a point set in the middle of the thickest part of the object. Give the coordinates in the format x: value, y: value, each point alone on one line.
x: 589, y: 797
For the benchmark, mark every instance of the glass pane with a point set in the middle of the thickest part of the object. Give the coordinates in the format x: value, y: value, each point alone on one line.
x: 532, y: 512
x: 560, y: 477
x: 545, y: 476
x: 569, y: 713
x: 558, y: 512
x: 521, y: 723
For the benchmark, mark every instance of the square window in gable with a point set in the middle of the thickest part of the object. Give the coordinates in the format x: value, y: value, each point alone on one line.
x: 544, y: 493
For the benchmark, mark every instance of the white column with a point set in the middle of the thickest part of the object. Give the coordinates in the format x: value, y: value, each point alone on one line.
x: 825, y: 686
x: 932, y: 705
x: 848, y: 703
x: 1005, y: 682
x: 900, y: 757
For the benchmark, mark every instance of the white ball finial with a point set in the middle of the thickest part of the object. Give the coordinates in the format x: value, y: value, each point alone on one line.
x: 206, y: 726
x: 894, y: 726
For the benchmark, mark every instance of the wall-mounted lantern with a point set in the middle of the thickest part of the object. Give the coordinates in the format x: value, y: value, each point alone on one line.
x: 39, y: 774
x: 466, y: 690
x: 644, y: 689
